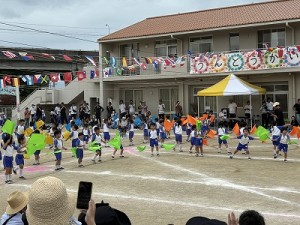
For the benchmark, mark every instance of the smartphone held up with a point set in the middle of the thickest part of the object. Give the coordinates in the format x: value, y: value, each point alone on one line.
x: 84, y: 194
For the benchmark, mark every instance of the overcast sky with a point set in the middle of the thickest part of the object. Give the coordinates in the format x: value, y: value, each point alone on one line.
x: 85, y: 19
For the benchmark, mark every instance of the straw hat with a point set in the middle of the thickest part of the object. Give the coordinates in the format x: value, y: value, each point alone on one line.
x: 16, y: 202
x: 49, y: 203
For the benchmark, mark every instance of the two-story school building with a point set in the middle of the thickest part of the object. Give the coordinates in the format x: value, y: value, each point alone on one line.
x: 173, y: 57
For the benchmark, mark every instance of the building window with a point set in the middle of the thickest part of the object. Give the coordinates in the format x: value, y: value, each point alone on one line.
x: 169, y: 97
x: 129, y: 50
x: 201, y: 44
x: 135, y: 95
x: 166, y: 48
x: 234, y: 41
x: 204, y: 104
x: 271, y: 38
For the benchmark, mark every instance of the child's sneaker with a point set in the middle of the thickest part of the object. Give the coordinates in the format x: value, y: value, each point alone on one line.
x: 231, y: 157
x: 122, y: 156
x: 275, y: 156
x: 80, y: 165
x: 152, y: 155
x: 249, y: 158
x: 113, y: 157
x: 229, y: 153
x: 197, y: 155
x: 22, y: 177
x: 14, y: 171
x: 158, y: 154
x: 99, y: 160
x: 190, y: 152
x: 285, y: 160
x: 93, y: 160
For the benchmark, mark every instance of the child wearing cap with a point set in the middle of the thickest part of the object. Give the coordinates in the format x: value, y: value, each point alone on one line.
x: 58, y: 146
x: 283, y: 141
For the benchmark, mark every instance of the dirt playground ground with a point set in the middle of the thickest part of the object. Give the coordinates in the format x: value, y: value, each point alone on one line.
x: 176, y: 186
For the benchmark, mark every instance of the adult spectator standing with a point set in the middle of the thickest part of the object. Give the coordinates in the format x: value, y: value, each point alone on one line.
x: 63, y: 114
x: 178, y: 109
x: 278, y: 114
x: 57, y: 111
x: 73, y: 110
x: 27, y: 117
x: 161, y: 110
x: 38, y: 113
x: 32, y: 112
x: 87, y: 110
x: 131, y: 109
x: 110, y: 110
x: 264, y: 115
x: 232, y: 106
x: 122, y: 109
x: 17, y: 205
x: 144, y: 110
x: 98, y: 109
x: 269, y: 104
x: 82, y: 112
x: 247, y: 109
x: 296, y: 108
x: 140, y: 107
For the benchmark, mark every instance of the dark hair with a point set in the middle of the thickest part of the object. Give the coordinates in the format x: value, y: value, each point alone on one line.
x: 251, y: 217
x: 193, y: 127
x: 80, y: 134
x: 178, y: 123
x: 36, y: 131
x: 21, y: 137
x: 96, y: 128
x: 156, y: 119
x: 246, y: 129
x: 75, y: 127
x: 21, y: 120
x: 284, y: 128
x: 7, y: 137
x: 56, y: 132
x: 152, y: 124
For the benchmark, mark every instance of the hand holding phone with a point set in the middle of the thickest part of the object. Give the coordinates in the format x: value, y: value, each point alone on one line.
x: 84, y: 194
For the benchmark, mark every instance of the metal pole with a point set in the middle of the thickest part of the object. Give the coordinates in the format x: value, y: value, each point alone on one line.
x: 198, y: 99
x: 18, y: 102
x: 108, y: 28
x: 250, y: 111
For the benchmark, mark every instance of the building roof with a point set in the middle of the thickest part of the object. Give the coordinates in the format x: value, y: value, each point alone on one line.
x: 257, y: 13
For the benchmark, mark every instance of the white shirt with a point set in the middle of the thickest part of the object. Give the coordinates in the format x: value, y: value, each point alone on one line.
x: 58, y: 143
x: 221, y: 131
x: 93, y: 129
x: 9, y: 151
x: 131, y: 127
x: 87, y: 109
x: 157, y: 125
x: 98, y: 138
x: 16, y: 220
x: 122, y: 108
x: 32, y: 110
x: 131, y: 108
x: 178, y: 130
x: 85, y: 131
x: 73, y: 109
x: 247, y: 108
x: 57, y: 110
x: 161, y: 108
x: 153, y: 134
x: 105, y: 128
x: 20, y: 129
x: 276, y: 131
x: 75, y: 134
x: 192, y: 134
x: 269, y: 106
x: 284, y: 139
x: 244, y: 140
x: 242, y: 130
x: 145, y: 126
x: 232, y: 108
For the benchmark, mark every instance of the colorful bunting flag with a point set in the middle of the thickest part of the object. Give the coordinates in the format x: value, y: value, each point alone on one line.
x: 2, y: 83
x: 16, y: 82
x: 90, y: 58
x: 29, y: 80
x: 37, y: 79
x: 80, y: 75
x: 124, y: 62
x: 44, y: 79
x: 46, y: 55
x: 54, y: 77
x: 68, y: 76
x: 92, y: 75
x: 7, y: 79
x: 9, y: 54
x: 26, y: 56
x: 67, y: 58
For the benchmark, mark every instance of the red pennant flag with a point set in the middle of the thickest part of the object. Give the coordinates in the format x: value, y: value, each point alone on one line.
x: 68, y: 76
x: 81, y: 75
x: 54, y: 77
x: 46, y: 55
x: 7, y: 79
x: 298, y: 47
x: 67, y: 58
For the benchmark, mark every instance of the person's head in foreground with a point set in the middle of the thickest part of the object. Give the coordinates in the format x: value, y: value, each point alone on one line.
x: 251, y: 217
x: 49, y: 203
x: 199, y: 220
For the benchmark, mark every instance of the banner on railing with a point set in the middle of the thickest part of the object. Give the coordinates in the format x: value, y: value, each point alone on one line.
x: 240, y: 61
x: 8, y: 90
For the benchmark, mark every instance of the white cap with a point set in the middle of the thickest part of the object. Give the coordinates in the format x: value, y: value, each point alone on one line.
x: 276, y: 104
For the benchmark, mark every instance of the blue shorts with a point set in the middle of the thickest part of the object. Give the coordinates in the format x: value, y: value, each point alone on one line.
x: 79, y: 153
x: 188, y: 132
x: 58, y: 156
x: 157, y: 132
x: 19, y: 159
x: 131, y: 134
x: 198, y: 142
x: 162, y: 135
x: 106, y: 136
x: 146, y: 132
x: 242, y: 147
x: 221, y: 141
x: 74, y: 142
x: 193, y: 140
x: 276, y: 143
x: 37, y: 152
x: 178, y: 137
x: 86, y: 138
x: 0, y: 155
x: 8, y: 161
x: 283, y: 147
x: 153, y: 142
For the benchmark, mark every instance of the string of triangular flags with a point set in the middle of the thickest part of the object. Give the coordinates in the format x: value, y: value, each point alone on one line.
x: 15, y: 81
x: 28, y: 56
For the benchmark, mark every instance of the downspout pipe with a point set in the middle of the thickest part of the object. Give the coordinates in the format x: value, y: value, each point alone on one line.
x: 181, y: 45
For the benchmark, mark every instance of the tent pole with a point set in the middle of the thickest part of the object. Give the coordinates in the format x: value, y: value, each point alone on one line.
x: 198, y: 99
x: 251, y: 110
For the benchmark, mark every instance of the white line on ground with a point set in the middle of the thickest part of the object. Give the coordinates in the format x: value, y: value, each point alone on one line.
x: 173, y: 203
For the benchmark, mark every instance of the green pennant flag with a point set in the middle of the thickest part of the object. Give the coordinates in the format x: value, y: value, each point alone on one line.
x: 198, y: 125
x: 141, y: 148
x: 293, y: 143
x: 35, y: 142
x: 168, y: 147
x: 115, y: 142
x: 73, y: 150
x: 8, y: 127
x: 94, y: 146
x: 225, y: 137
x: 262, y: 133
x: 52, y: 153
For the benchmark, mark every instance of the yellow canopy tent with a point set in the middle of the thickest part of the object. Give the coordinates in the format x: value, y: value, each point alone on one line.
x: 232, y: 85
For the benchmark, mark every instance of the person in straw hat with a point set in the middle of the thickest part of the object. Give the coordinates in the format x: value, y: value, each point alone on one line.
x: 49, y: 203
x: 17, y: 205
